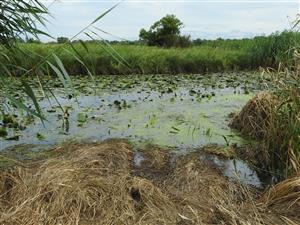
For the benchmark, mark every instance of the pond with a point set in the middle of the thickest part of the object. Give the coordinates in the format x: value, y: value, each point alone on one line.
x: 182, y: 112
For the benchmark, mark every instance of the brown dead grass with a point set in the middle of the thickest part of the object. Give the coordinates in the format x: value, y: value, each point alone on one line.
x: 256, y: 116
x: 228, y: 152
x: 98, y: 184
x: 284, y: 197
x: 274, y: 121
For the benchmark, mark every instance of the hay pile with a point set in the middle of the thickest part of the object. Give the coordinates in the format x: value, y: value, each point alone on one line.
x: 99, y: 184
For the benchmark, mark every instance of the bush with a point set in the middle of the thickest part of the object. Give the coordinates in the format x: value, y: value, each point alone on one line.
x: 61, y: 40
x: 165, y: 33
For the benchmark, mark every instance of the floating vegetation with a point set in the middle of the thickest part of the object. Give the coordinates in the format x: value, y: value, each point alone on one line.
x: 179, y: 110
x: 3, y: 132
x: 81, y: 118
x: 40, y: 136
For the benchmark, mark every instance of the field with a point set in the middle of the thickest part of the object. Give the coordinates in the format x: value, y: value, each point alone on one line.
x: 209, y: 56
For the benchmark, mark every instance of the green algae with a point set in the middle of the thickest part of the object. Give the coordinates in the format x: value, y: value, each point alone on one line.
x: 179, y: 111
x: 187, y: 123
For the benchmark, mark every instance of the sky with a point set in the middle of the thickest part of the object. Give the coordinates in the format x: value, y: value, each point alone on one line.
x: 205, y: 19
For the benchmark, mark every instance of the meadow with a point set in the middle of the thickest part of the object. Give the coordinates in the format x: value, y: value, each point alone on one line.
x: 206, y: 56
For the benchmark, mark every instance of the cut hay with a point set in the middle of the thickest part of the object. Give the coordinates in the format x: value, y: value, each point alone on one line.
x: 98, y: 184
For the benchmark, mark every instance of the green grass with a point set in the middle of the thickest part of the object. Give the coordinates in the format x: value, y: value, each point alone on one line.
x: 285, y: 153
x: 210, y: 56
x: 141, y: 59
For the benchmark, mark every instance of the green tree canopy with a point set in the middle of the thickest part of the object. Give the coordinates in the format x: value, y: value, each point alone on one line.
x: 165, y: 33
x: 62, y: 40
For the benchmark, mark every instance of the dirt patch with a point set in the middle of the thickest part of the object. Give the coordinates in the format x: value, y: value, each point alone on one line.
x: 99, y: 184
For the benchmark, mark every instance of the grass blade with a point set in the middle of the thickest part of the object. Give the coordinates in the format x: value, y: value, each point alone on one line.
x: 20, y: 105
x: 28, y: 90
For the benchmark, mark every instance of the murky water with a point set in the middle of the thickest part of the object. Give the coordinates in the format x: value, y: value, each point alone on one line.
x: 173, y: 111
x: 235, y: 169
x: 182, y: 112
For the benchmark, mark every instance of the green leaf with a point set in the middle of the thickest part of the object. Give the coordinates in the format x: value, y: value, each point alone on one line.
x: 84, y: 46
x: 96, y: 20
x: 82, y: 63
x: 40, y: 136
x: 20, y: 105
x: 113, y: 52
x: 28, y: 90
x: 67, y: 78
x: 81, y: 117
x: 3, y: 132
x: 59, y: 74
x: 105, y: 13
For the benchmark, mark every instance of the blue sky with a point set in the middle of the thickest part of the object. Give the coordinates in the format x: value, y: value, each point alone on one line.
x: 202, y: 18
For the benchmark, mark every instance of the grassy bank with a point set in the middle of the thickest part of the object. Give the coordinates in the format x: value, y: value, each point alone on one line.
x: 209, y: 56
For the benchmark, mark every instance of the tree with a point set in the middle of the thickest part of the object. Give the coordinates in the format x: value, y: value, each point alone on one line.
x: 165, y: 33
x: 62, y: 40
x: 32, y: 40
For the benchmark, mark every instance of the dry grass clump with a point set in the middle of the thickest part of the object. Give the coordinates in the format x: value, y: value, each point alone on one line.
x: 81, y: 186
x: 284, y: 197
x: 259, y: 120
x: 98, y: 184
x: 274, y: 121
x: 195, y: 187
x: 255, y: 118
x: 221, y: 151
x: 156, y: 158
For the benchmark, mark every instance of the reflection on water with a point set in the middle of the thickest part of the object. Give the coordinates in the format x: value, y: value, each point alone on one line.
x: 138, y: 159
x: 235, y: 169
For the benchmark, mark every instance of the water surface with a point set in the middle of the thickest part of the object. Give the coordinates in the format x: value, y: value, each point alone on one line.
x: 182, y: 111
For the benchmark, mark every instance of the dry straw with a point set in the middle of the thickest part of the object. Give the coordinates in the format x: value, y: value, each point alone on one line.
x: 272, y: 120
x: 99, y: 184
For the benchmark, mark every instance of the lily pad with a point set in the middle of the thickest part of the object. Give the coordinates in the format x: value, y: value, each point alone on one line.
x: 81, y: 117
x: 40, y: 136
x: 3, y: 132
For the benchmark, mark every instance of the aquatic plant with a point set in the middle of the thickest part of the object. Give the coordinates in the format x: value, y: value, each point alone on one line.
x: 20, y: 19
